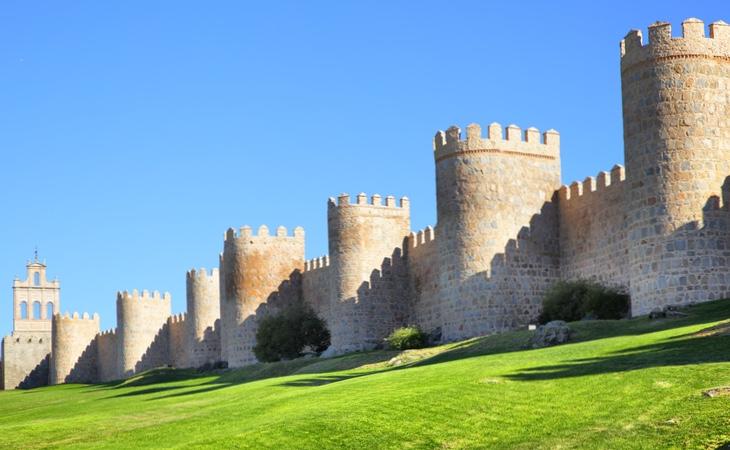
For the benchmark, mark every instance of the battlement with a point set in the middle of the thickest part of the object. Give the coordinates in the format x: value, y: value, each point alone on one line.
x: 201, y: 273
x: 76, y: 317
x: 246, y: 232
x: 375, y: 201
x: 145, y: 296
x: 510, y: 140
x: 316, y: 263
x: 590, y: 185
x: 422, y: 237
x: 177, y: 318
x: 109, y: 332
x: 661, y: 44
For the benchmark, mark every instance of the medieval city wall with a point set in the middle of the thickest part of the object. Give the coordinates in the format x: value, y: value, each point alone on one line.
x: 178, y: 350
x: 422, y: 254
x: 676, y: 142
x: 366, y: 297
x: 142, y: 330
x: 25, y: 360
x: 74, y: 350
x: 202, y: 340
x: 317, y: 286
x: 489, y: 190
x: 593, y: 217
x: 107, y: 348
x: 258, y: 274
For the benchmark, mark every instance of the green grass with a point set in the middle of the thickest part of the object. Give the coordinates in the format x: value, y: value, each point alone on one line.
x: 621, y: 384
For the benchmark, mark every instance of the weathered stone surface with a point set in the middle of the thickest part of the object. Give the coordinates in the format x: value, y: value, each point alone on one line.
x: 552, y: 333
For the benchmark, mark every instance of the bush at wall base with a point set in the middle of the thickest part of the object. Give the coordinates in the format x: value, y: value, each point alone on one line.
x: 288, y: 334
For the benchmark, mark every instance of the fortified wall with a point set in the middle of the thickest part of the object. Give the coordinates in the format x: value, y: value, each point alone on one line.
x: 506, y: 231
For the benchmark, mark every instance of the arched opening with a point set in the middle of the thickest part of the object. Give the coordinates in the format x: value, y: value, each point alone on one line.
x: 23, y: 310
x: 49, y: 310
x: 37, y: 279
x: 36, y: 310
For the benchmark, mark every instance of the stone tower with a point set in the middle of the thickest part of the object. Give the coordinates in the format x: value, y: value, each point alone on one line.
x: 25, y: 352
x: 254, y: 272
x: 74, y: 356
x: 676, y: 112
x: 204, y: 310
x: 488, y: 190
x: 140, y: 317
x: 361, y: 237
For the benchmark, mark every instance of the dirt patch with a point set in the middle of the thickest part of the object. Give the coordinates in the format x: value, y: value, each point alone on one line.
x: 722, y: 329
x: 717, y: 392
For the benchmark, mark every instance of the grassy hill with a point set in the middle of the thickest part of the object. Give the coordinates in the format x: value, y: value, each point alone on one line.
x: 621, y: 384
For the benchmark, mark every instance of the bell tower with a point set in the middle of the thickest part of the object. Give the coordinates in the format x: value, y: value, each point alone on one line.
x: 35, y: 299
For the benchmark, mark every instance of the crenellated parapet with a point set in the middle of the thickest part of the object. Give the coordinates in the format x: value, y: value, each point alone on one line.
x: 246, y: 232
x: 144, y: 296
x: 374, y: 201
x: 321, y: 262
x: 693, y: 43
x: 422, y: 237
x: 593, y: 185
x: 498, y: 140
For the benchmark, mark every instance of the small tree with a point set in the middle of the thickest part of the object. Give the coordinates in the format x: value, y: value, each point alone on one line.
x: 287, y: 334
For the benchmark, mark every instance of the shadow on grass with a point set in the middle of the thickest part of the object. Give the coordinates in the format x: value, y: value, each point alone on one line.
x: 674, y: 351
x: 678, y: 350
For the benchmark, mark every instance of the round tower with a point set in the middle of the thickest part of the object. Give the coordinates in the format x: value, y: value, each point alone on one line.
x: 140, y: 318
x: 488, y: 191
x: 73, y: 354
x: 362, y: 236
x: 203, y: 307
x: 254, y: 274
x: 676, y: 114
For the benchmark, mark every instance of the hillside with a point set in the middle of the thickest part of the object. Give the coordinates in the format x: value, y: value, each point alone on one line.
x: 621, y: 384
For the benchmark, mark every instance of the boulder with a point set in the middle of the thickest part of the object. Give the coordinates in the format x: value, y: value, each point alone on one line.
x: 657, y: 313
x: 552, y: 333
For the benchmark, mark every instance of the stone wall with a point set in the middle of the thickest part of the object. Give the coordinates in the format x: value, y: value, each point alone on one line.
x: 677, y: 141
x: 489, y: 190
x: 203, y: 302
x: 74, y: 351
x: 317, y: 285
x: 423, y: 265
x: 107, y: 356
x: 366, y: 296
x: 178, y: 350
x: 593, y: 217
x: 25, y: 360
x: 142, y: 335
x: 259, y: 274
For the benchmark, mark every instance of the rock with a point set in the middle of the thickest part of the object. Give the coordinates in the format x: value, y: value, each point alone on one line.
x: 657, y: 313
x: 674, y: 313
x: 552, y: 333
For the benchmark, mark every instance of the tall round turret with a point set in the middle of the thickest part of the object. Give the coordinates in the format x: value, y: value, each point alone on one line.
x: 488, y: 190
x: 74, y: 353
x: 140, y: 318
x: 203, y: 307
x: 255, y: 271
x: 676, y: 112
x: 362, y: 236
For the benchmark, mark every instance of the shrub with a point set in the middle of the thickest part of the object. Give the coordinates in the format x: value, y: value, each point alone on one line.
x: 576, y: 300
x: 407, y: 337
x: 288, y: 334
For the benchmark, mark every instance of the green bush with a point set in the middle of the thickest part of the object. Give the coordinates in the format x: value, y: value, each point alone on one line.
x: 576, y: 300
x: 288, y: 334
x: 407, y: 337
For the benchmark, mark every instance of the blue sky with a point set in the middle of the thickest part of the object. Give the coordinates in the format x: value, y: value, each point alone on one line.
x: 132, y: 135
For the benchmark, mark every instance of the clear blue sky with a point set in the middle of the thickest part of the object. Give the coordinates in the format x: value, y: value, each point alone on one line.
x: 132, y: 135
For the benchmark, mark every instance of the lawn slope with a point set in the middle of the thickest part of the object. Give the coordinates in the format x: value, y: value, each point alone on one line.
x: 621, y: 384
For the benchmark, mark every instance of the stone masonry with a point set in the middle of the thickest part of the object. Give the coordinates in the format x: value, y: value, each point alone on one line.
x: 506, y: 231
